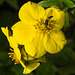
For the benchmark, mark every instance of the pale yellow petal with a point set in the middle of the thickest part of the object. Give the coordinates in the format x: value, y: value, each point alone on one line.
x: 36, y: 47
x: 54, y: 41
x: 31, y: 66
x: 30, y: 12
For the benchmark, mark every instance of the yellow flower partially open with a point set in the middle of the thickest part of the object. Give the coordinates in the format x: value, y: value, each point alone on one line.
x: 39, y: 29
x: 19, y: 54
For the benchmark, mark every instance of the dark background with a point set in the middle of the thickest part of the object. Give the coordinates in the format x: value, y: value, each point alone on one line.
x: 62, y: 63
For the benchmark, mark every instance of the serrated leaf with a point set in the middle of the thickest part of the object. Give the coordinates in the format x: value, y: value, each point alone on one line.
x: 69, y: 3
x: 48, y: 3
x: 13, y: 3
x: 1, y: 2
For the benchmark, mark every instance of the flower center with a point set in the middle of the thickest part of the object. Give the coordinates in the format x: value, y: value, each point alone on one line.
x: 44, y: 24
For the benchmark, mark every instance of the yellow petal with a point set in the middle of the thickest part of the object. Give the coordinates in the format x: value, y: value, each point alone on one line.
x: 36, y: 47
x: 30, y: 12
x: 59, y: 23
x: 31, y: 66
x: 12, y: 42
x: 18, y: 54
x: 58, y: 19
x: 54, y: 41
x: 52, y: 12
x: 30, y: 37
x: 5, y: 31
x: 14, y: 45
x: 23, y: 32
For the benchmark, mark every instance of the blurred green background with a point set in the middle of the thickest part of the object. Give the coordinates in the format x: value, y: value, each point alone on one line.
x: 62, y: 63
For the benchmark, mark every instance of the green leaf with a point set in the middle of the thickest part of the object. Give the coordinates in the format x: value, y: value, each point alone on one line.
x: 67, y: 20
x: 69, y: 3
x: 48, y: 3
x: 1, y: 2
x: 13, y: 3
x: 61, y: 1
x: 56, y: 6
x: 73, y: 11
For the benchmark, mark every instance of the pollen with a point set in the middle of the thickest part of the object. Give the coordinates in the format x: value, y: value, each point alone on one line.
x: 12, y: 55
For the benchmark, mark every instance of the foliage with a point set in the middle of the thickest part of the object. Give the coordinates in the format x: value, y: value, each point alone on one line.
x: 62, y: 63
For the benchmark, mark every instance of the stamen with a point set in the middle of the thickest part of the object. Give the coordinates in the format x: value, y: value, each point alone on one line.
x: 42, y: 25
x: 11, y: 49
x: 12, y: 55
x: 35, y: 26
x: 16, y: 62
x: 38, y: 21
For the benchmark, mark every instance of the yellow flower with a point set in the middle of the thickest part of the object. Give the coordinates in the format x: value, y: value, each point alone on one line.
x: 39, y: 29
x: 19, y: 54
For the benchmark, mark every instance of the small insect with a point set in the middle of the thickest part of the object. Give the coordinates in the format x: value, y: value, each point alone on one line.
x: 46, y: 22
